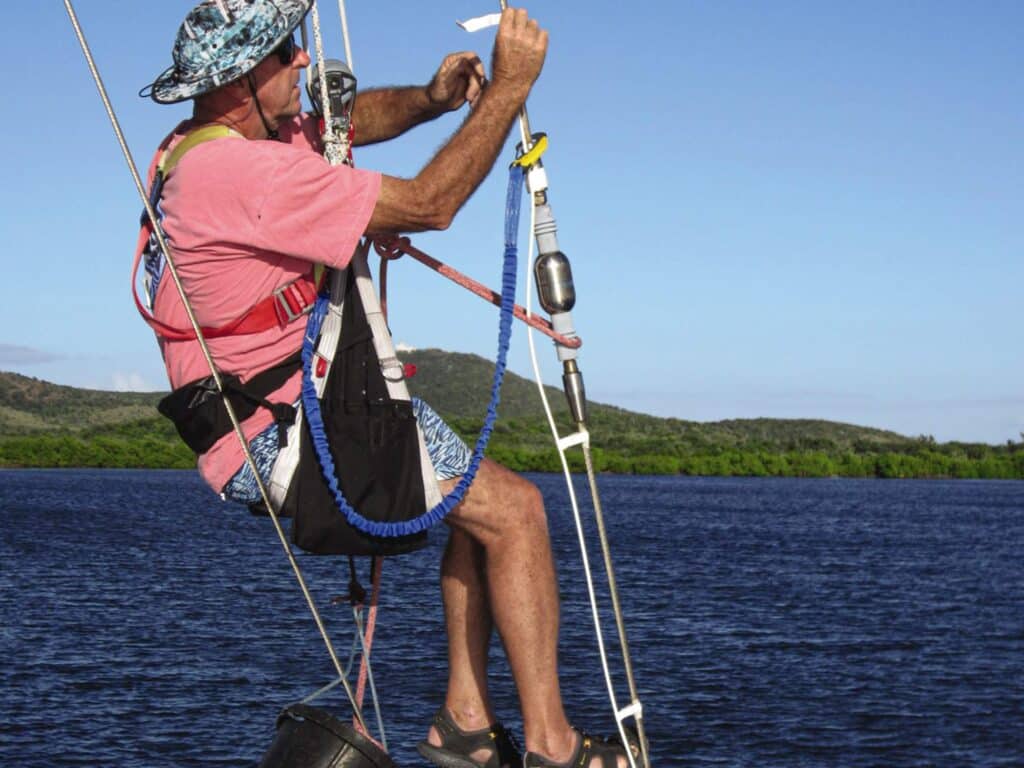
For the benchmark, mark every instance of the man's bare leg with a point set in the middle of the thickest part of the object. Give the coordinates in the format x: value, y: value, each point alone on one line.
x: 469, y: 624
x: 468, y: 617
x: 500, y: 551
x: 503, y: 514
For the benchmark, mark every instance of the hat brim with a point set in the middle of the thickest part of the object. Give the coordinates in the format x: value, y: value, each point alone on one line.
x: 170, y: 88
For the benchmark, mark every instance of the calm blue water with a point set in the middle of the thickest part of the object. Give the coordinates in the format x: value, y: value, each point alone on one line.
x: 773, y: 622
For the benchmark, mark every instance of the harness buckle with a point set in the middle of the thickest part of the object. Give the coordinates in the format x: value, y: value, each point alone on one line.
x: 291, y: 302
x: 392, y: 364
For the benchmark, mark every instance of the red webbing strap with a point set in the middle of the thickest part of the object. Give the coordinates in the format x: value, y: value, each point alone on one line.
x: 275, y: 311
x: 389, y: 248
x: 371, y: 625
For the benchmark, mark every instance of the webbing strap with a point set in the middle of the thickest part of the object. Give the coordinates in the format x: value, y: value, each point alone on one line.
x: 286, y: 304
x: 389, y: 248
x: 314, y: 418
x: 195, y: 137
x: 283, y: 306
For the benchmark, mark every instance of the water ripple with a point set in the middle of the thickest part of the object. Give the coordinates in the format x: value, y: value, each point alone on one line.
x: 773, y: 623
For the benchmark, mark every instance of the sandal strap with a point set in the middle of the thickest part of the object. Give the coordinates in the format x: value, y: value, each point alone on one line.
x: 495, y: 738
x: 587, y: 748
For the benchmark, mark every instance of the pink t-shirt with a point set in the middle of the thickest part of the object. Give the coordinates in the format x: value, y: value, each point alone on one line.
x: 244, y: 218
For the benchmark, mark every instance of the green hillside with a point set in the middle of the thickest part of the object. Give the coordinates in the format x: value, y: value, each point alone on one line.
x: 48, y: 425
x: 458, y: 386
x: 31, y: 406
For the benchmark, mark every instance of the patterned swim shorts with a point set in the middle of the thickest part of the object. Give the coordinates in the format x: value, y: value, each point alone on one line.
x: 448, y: 453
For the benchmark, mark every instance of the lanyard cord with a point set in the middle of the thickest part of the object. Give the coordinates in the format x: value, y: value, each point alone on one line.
x: 165, y: 248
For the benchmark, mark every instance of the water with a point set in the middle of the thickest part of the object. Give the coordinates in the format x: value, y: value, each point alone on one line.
x: 773, y: 622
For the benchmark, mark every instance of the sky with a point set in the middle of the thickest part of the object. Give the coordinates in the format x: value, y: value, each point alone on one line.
x: 785, y: 209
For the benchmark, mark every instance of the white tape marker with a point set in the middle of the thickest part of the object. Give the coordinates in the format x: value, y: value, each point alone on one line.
x: 480, y: 22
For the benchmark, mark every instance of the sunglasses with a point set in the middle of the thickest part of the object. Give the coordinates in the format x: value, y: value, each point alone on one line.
x: 286, y: 50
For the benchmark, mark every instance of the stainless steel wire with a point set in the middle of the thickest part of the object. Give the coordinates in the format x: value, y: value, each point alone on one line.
x: 613, y: 590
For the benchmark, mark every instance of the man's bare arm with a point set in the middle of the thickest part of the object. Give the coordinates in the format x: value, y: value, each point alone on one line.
x: 431, y: 200
x: 384, y: 113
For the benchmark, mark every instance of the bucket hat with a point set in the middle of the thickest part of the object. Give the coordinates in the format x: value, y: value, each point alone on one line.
x: 221, y: 40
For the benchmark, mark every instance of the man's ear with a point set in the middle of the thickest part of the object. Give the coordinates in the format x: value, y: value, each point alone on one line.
x: 238, y: 91
x: 224, y: 99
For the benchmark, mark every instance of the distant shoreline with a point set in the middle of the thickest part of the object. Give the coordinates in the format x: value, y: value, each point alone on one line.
x: 9, y: 468
x: 151, y: 453
x: 49, y: 426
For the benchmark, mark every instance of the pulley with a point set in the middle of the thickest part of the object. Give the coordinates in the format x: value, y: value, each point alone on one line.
x: 341, y: 91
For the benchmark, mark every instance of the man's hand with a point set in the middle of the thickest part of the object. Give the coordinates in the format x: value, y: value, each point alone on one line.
x: 431, y: 200
x: 459, y: 79
x: 519, y: 50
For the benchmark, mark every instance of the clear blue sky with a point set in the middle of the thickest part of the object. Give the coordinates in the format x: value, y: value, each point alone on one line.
x: 773, y: 209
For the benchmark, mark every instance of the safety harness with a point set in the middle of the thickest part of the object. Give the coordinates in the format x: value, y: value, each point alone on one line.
x: 354, y: 391
x: 285, y: 305
x: 198, y: 412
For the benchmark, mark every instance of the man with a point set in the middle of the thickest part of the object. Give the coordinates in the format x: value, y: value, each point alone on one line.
x: 247, y: 216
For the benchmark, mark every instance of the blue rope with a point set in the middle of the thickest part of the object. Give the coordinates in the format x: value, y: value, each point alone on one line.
x: 314, y: 418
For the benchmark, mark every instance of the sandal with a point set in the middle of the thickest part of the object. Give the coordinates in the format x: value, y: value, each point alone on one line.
x: 458, y: 746
x: 587, y: 749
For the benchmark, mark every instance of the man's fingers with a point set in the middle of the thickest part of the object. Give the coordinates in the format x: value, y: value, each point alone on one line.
x: 467, y: 65
x: 472, y: 67
x: 478, y: 68
x: 519, y: 49
x: 459, y: 79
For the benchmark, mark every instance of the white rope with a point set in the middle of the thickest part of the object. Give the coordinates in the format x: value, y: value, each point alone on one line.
x: 584, y: 440
x: 344, y: 34
x: 318, y: 43
x: 357, y: 615
x: 304, y: 37
x: 321, y: 691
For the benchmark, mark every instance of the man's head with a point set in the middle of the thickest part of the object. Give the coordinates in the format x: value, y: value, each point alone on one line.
x: 222, y: 41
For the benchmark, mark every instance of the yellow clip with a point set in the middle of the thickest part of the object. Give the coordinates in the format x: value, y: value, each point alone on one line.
x: 540, y: 145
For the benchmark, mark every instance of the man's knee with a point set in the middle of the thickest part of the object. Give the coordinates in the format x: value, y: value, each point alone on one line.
x: 528, y: 503
x: 518, y: 492
x: 500, y: 502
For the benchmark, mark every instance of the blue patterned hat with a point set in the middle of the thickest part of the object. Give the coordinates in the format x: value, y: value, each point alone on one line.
x: 221, y: 40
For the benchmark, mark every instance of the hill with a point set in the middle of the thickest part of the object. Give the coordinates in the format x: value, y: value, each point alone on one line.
x: 44, y: 424
x: 458, y: 385
x: 32, y: 406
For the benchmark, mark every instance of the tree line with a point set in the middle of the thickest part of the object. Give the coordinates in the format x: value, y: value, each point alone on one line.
x: 740, y: 463
x: 159, y: 449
